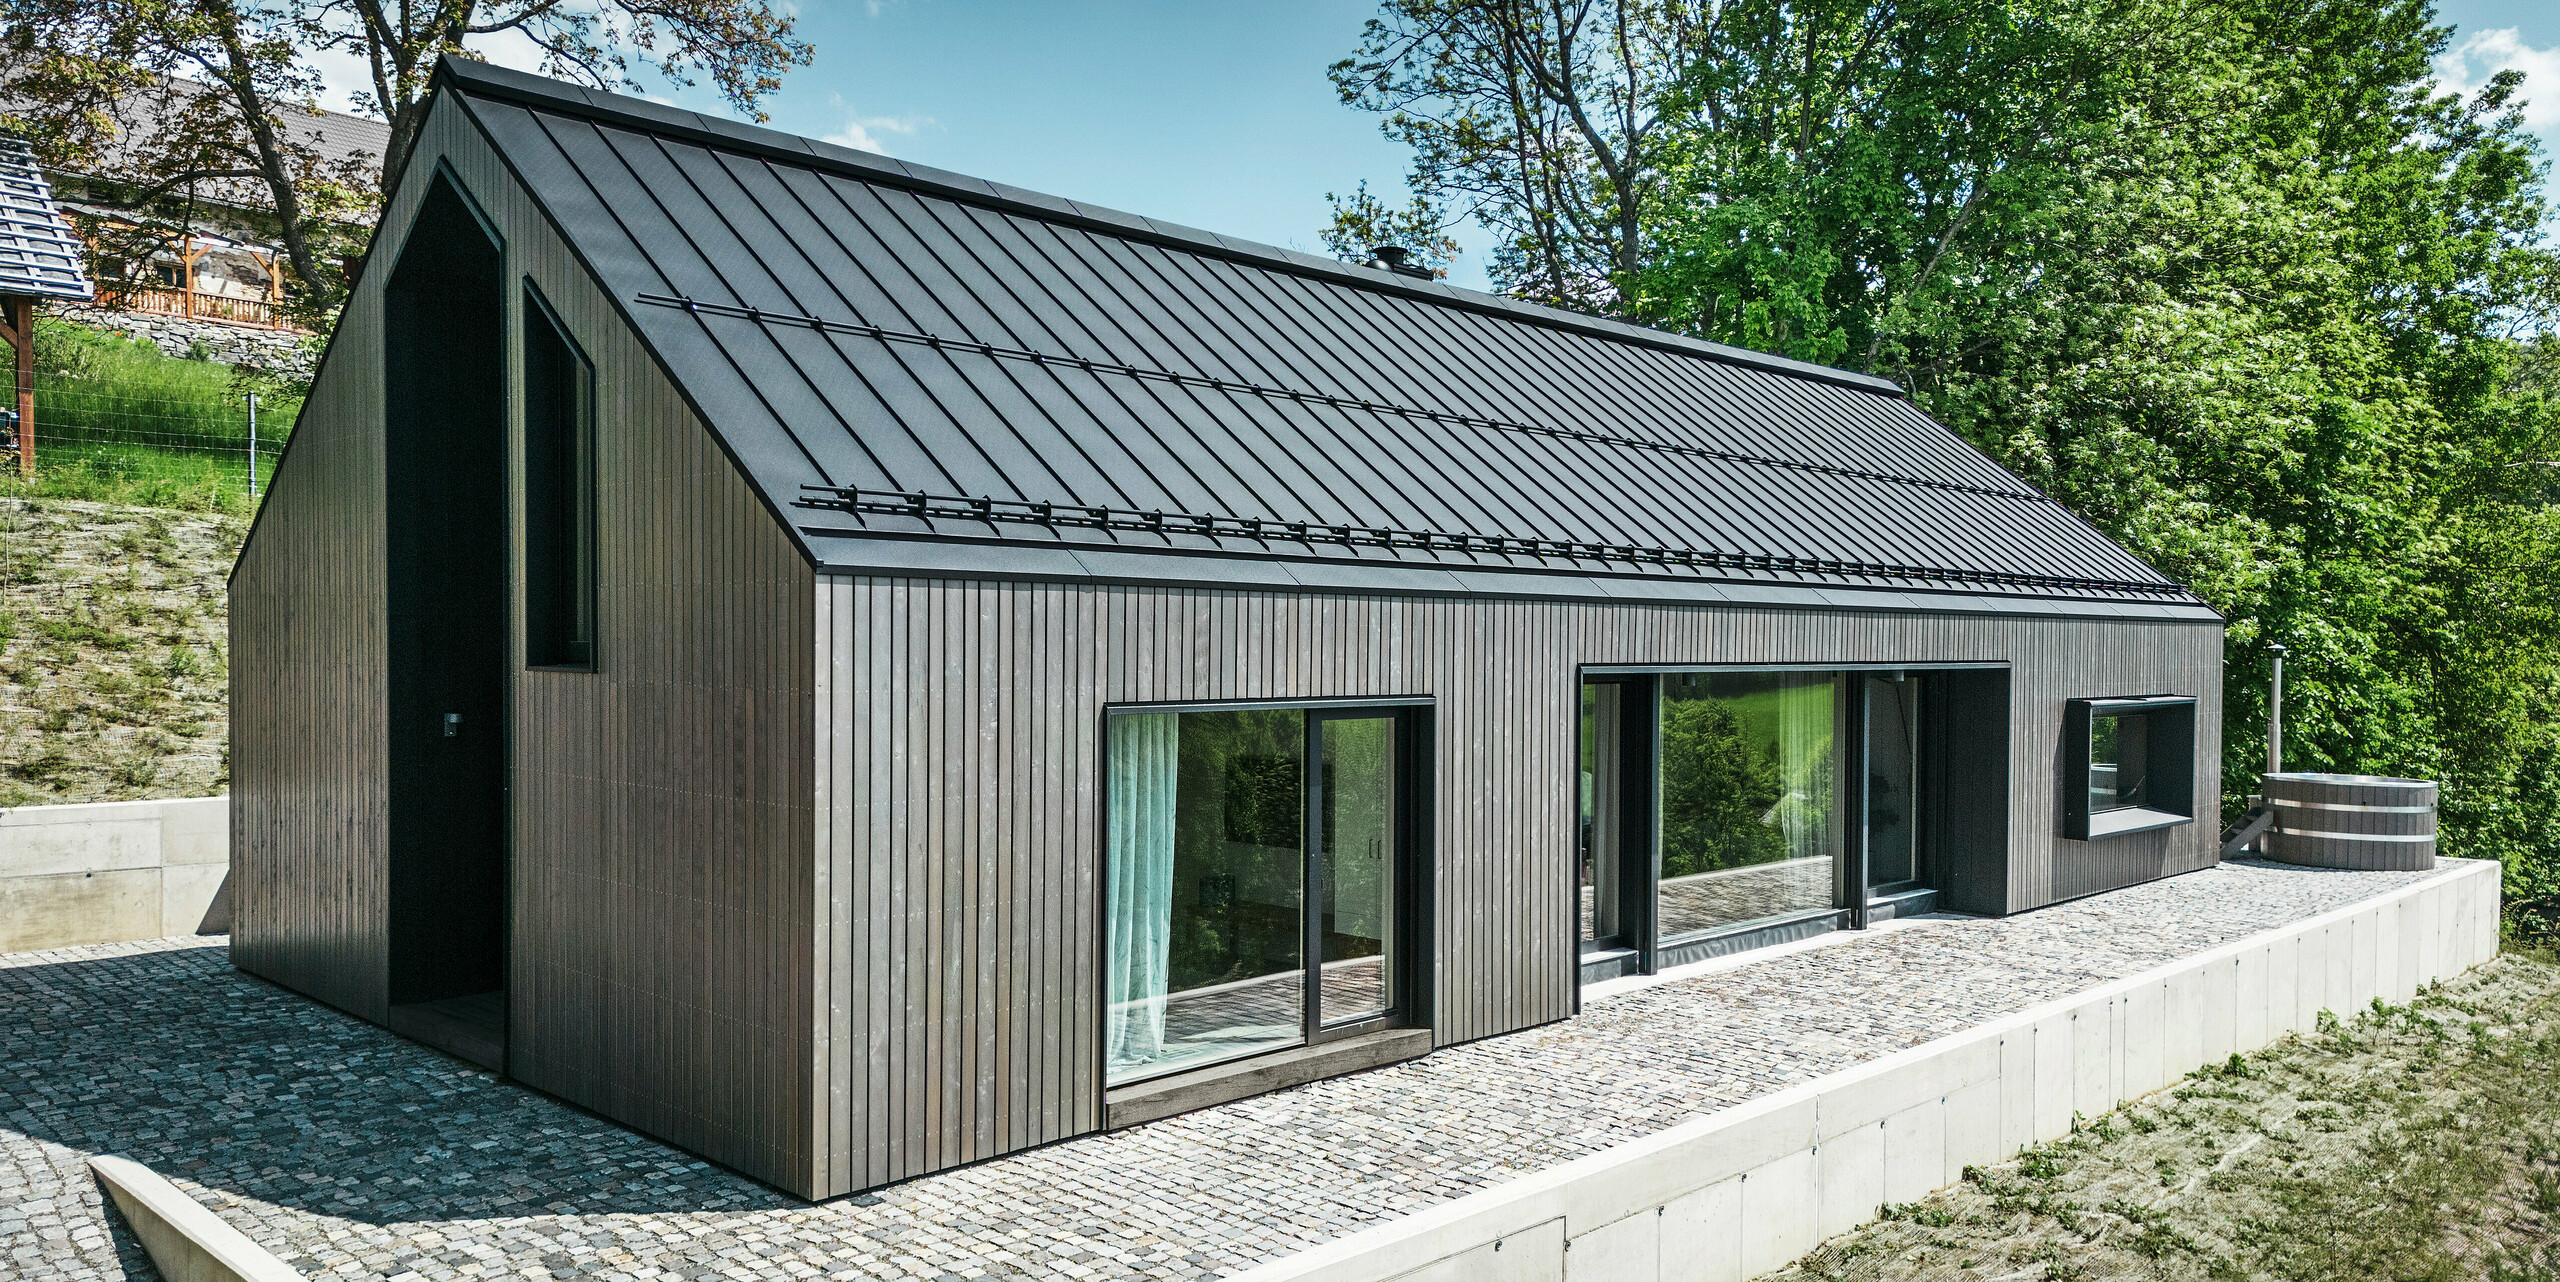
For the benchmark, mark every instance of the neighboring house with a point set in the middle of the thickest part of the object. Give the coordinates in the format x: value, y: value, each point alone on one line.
x: 202, y: 261
x: 855, y: 670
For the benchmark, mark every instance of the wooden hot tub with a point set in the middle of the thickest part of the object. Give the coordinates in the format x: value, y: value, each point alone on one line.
x: 2352, y: 821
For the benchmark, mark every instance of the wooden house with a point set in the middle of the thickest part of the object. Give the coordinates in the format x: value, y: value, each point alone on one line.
x: 855, y: 670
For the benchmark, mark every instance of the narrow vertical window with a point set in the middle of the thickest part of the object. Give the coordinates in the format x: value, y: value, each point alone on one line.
x: 559, y: 493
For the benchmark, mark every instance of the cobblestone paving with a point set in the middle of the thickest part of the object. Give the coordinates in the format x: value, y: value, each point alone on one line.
x: 355, y: 1155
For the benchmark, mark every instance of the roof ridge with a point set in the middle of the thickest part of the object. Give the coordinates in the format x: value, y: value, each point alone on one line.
x: 489, y: 80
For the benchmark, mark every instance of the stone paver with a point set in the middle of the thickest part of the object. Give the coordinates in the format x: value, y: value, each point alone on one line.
x: 355, y: 1154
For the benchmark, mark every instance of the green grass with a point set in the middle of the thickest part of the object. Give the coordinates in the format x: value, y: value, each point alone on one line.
x: 139, y: 476
x: 119, y: 421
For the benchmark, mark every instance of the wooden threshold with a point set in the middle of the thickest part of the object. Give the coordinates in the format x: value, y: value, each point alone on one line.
x: 1220, y: 1084
x: 472, y: 1028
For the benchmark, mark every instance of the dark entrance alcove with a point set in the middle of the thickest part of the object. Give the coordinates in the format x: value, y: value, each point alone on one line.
x: 445, y: 522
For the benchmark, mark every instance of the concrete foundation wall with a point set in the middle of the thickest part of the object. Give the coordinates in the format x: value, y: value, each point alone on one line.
x: 1748, y: 1189
x: 113, y: 870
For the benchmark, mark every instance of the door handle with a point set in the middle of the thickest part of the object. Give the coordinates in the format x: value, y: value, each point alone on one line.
x: 452, y: 724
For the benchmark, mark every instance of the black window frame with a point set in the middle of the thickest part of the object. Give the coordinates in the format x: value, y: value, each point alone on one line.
x: 2169, y: 773
x: 1642, y: 943
x: 556, y: 482
x: 1410, y: 998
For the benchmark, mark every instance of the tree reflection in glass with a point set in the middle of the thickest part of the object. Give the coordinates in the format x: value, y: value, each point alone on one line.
x: 1750, y: 803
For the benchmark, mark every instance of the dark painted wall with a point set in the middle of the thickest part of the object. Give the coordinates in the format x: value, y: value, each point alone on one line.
x: 1964, y: 765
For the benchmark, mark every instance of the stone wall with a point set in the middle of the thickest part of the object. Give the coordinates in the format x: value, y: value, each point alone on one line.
x: 278, y: 349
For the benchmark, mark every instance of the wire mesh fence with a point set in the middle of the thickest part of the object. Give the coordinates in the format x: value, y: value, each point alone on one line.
x: 143, y: 441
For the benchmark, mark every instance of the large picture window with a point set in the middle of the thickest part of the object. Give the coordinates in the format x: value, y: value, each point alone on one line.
x: 1723, y: 806
x: 1751, y: 798
x: 1243, y: 843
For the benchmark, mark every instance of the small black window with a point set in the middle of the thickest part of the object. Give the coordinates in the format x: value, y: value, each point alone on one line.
x: 559, y: 493
x: 2128, y: 765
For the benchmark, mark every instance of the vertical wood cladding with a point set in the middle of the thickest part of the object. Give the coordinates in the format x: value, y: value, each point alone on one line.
x: 661, y: 869
x: 803, y: 875
x: 309, y: 691
x: 960, y: 828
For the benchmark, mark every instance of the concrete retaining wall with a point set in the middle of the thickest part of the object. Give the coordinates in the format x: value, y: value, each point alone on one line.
x: 1742, y: 1191
x: 113, y: 870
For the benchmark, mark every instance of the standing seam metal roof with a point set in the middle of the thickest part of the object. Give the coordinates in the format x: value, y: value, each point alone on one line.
x: 892, y: 353
x: 39, y: 257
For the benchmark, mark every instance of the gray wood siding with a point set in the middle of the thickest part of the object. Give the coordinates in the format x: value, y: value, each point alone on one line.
x: 661, y: 963
x: 310, y: 806
x: 959, y: 792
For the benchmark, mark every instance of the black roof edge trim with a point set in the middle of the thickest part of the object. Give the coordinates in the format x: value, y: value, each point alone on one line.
x: 526, y: 89
x: 1265, y: 531
x: 631, y: 323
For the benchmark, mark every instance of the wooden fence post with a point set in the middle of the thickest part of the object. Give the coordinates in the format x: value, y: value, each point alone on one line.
x: 18, y: 318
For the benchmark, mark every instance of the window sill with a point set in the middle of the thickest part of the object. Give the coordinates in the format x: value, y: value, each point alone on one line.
x: 1223, y: 1083
x: 2132, y: 819
x: 1744, y: 936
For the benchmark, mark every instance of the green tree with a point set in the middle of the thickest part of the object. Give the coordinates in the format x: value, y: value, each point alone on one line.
x: 1718, y: 793
x: 2233, y: 281
x: 157, y: 96
x: 1362, y: 222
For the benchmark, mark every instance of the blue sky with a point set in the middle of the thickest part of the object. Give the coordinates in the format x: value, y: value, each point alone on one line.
x: 1219, y: 115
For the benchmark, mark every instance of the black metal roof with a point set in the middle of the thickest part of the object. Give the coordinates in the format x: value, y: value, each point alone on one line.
x: 930, y: 373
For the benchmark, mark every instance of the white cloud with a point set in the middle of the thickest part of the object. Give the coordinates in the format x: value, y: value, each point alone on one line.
x: 2467, y: 66
x: 864, y: 133
x: 346, y: 81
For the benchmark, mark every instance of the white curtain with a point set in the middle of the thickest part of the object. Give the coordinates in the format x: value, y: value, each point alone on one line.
x: 1145, y: 751
x: 1805, y: 718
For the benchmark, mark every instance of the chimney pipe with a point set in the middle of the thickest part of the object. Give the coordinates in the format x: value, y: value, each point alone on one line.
x: 1392, y: 258
x: 2275, y: 713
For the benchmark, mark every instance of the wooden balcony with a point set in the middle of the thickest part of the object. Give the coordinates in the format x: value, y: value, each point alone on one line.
x: 222, y: 309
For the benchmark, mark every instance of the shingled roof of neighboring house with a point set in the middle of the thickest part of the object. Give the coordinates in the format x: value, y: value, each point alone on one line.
x: 39, y: 257
x: 338, y: 137
x: 925, y: 371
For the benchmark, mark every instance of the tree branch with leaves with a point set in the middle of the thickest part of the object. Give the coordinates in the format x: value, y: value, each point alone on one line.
x: 161, y: 98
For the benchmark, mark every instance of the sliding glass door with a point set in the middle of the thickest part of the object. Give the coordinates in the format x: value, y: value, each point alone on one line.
x: 1601, y: 849
x: 1355, y: 925
x: 1715, y: 802
x: 1219, y: 823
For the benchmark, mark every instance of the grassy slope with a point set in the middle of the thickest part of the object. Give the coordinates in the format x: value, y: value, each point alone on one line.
x: 2411, y: 1143
x: 113, y: 668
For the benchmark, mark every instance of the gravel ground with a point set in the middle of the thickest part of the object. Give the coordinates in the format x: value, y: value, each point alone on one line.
x: 357, y: 1154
